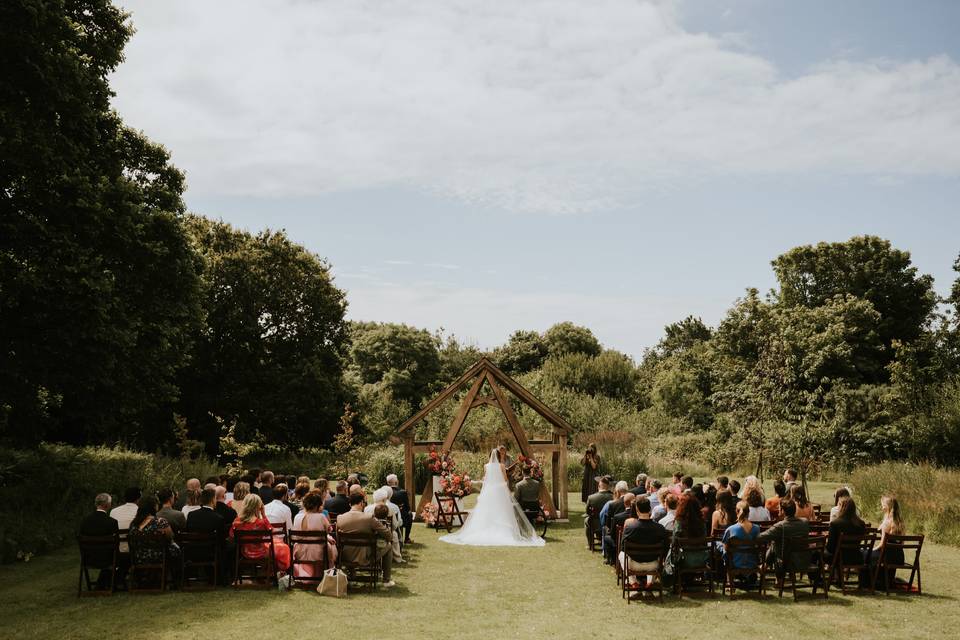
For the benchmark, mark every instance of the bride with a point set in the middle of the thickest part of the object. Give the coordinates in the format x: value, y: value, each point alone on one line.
x: 497, y: 520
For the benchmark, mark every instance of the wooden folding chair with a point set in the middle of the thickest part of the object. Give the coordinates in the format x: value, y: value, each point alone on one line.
x: 631, y: 549
x: 99, y: 553
x: 618, y: 547
x: 594, y: 533
x: 891, y: 544
x: 250, y: 567
x: 718, y: 531
x: 199, y: 552
x: 279, y: 530
x: 736, y: 548
x: 851, y: 557
x: 154, y: 544
x: 304, y: 540
x: 447, y: 512
x: 685, y: 548
x: 363, y: 545
x: 805, y: 557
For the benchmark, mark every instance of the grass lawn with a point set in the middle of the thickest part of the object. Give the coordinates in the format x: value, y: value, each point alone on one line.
x: 561, y: 590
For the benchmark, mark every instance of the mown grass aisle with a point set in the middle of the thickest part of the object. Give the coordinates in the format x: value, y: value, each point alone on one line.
x: 560, y: 591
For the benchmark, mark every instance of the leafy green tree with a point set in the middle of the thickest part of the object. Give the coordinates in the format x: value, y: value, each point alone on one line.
x: 271, y: 354
x: 611, y: 374
x: 455, y: 358
x: 523, y: 352
x: 868, y: 268
x: 99, y: 291
x: 566, y: 337
x: 683, y: 335
x: 397, y: 357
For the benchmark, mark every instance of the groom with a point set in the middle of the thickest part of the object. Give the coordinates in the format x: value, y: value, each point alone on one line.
x: 527, y: 492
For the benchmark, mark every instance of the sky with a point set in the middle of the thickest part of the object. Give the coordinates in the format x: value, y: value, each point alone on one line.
x: 480, y: 167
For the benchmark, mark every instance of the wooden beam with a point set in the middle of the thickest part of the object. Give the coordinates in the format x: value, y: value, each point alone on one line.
x: 528, y: 398
x: 446, y: 393
x: 408, y: 471
x: 484, y: 400
x: 462, y: 412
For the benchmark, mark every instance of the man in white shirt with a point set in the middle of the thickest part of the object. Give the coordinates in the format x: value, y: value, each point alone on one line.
x: 125, y: 513
x: 670, y: 501
x: 277, y: 511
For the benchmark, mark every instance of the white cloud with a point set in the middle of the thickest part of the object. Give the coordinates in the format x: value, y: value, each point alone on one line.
x: 551, y: 105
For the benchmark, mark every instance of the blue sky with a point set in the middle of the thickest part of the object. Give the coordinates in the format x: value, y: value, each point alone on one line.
x: 486, y: 167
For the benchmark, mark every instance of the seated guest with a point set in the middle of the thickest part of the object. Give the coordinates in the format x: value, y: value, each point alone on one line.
x: 224, y: 511
x: 773, y: 503
x: 745, y: 531
x: 610, y: 509
x: 725, y: 511
x: 193, y: 502
x: 323, y: 486
x: 277, y: 510
x: 653, y: 486
x: 596, y: 502
x: 609, y: 543
x: 789, y: 478
x: 840, y: 493
x: 722, y: 483
x: 709, y: 504
x: 891, y: 525
x: 311, y: 518
x: 804, y: 508
x: 734, y: 488
x: 641, y: 488
x: 99, y: 523
x: 125, y: 513
x: 338, y: 504
x: 754, y: 499
x: 661, y: 509
x: 789, y: 528
x: 642, y: 530
x: 146, y: 523
x: 294, y: 509
x: 251, y: 517
x: 228, y: 484
x: 206, y: 519
x: 751, y: 482
x: 356, y: 521
x: 357, y: 490
x: 353, y: 479
x: 402, y: 500
x: 846, y: 522
x: 687, y: 483
x: 299, y: 491
x: 265, y: 491
x: 193, y: 484
x: 177, y: 520
x: 670, y: 501
x: 240, y: 491
x: 676, y: 487
x: 382, y: 497
x: 689, y: 523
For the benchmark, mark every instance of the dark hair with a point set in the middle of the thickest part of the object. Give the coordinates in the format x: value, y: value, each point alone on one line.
x: 847, y: 511
x: 357, y: 498
x: 212, y: 480
x: 791, y: 472
x: 735, y: 486
x: 697, y: 491
x: 687, y: 482
x: 255, y: 474
x: 723, y: 481
x: 132, y: 494
x: 780, y: 487
x: 207, y: 496
x: 727, y: 506
x: 231, y: 483
x: 164, y: 495
x: 798, y: 495
x: 841, y: 492
x: 689, y: 517
x: 313, y: 501
x: 381, y: 511
x: 656, y: 484
x: 279, y: 491
x: 753, y: 497
x: 671, y: 501
x: 788, y: 507
x: 249, y: 478
x: 709, y: 497
x: 147, y: 507
x: 641, y: 505
x: 301, y: 490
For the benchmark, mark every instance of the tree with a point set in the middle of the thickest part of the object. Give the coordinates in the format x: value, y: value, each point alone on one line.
x: 99, y: 291
x: 683, y: 335
x: 566, y: 337
x: 868, y: 268
x: 523, y: 352
x: 611, y: 374
x: 271, y: 354
x: 397, y: 357
x: 455, y: 358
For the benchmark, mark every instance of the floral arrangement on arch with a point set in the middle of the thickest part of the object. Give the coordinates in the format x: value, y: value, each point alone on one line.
x: 455, y: 485
x: 536, y: 471
x: 439, y: 462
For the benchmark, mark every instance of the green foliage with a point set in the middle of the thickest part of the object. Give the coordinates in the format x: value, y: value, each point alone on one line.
x: 611, y: 374
x: 566, y: 337
x: 397, y: 358
x: 523, y: 352
x: 683, y: 335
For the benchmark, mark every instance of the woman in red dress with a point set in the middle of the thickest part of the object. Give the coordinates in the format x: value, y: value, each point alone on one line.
x: 251, y: 517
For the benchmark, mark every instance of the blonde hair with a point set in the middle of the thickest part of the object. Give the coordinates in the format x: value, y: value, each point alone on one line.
x: 240, y: 491
x: 891, y: 515
x: 250, y: 509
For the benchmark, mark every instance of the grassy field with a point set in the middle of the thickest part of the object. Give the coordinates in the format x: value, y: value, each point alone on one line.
x: 561, y: 591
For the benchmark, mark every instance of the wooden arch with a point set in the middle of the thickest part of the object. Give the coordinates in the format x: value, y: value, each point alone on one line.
x: 496, y: 380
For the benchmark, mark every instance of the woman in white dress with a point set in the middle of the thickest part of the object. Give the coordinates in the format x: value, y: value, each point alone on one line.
x: 497, y: 520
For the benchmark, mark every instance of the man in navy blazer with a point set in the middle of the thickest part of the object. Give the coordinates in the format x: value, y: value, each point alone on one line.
x: 99, y: 523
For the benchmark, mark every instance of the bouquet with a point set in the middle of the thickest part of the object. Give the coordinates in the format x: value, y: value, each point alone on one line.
x: 536, y: 471
x: 439, y: 462
x: 429, y: 514
x: 455, y: 485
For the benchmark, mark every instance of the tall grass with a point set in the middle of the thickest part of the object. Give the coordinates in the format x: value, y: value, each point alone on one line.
x: 929, y: 496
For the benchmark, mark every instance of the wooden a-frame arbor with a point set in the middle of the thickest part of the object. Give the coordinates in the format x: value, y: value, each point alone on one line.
x: 496, y: 380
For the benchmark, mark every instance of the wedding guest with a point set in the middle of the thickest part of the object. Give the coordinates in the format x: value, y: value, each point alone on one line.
x: 640, y: 489
x: 689, y: 523
x: 177, y: 520
x: 642, y: 530
x: 323, y: 486
x: 789, y: 478
x: 146, y: 523
x: 99, y: 523
x: 265, y: 491
x: 591, y: 468
x: 240, y: 491
x: 676, y: 487
x: 353, y: 479
x: 311, y: 518
x: 224, y: 511
x: 206, y: 519
x: 338, y: 504
x: 671, y: 501
x: 804, y: 508
x: 193, y: 502
x: 277, y: 511
x: 193, y: 484
x: 724, y: 513
x: 687, y: 483
x: 742, y: 530
x: 773, y: 503
x: 722, y: 483
x: 251, y: 517
x: 125, y: 513
x: 734, y: 488
x: 228, y: 485
x: 653, y: 488
x: 382, y: 497
x: 301, y: 490
x: 609, y: 543
x: 847, y: 521
x: 661, y: 509
x: 839, y: 494
x: 751, y: 482
x: 356, y: 521
x: 754, y: 499
x: 613, y: 506
x: 254, y: 480
x: 891, y: 525
x: 595, y: 503
x: 294, y: 509
x: 789, y: 528
x: 709, y: 503
x: 402, y: 500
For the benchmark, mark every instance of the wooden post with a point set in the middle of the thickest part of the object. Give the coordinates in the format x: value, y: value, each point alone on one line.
x: 564, y: 493
x: 409, y: 474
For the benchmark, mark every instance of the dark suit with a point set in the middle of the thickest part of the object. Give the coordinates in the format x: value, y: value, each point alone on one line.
x: 266, y: 494
x: 227, y: 513
x: 596, y: 502
x: 788, y: 529
x: 527, y: 493
x: 336, y: 505
x: 402, y: 500
x: 646, y: 532
x: 609, y: 536
x: 99, y: 523
x: 206, y: 520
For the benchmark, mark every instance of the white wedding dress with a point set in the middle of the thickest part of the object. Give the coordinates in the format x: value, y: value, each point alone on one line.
x: 497, y: 520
